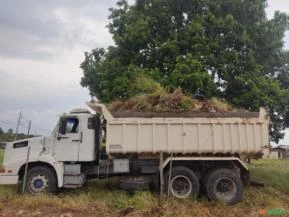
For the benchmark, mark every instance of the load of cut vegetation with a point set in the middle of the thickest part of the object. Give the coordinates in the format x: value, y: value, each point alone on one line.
x: 162, y: 101
x: 148, y: 95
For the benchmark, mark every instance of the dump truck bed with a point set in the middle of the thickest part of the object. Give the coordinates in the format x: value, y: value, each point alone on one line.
x: 185, y: 132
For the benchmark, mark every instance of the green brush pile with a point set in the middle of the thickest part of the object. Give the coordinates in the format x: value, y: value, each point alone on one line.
x: 161, y: 101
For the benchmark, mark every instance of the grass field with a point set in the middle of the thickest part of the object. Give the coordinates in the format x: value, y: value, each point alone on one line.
x: 103, y: 198
x: 1, y: 156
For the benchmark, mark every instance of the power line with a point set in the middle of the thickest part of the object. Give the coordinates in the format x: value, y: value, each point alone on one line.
x: 23, y: 125
x: 7, y: 122
x: 23, y: 118
x: 17, y: 126
x: 28, y: 129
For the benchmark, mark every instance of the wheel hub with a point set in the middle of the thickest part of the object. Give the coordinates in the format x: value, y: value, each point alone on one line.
x: 38, y: 183
x: 225, y: 189
x: 181, y: 186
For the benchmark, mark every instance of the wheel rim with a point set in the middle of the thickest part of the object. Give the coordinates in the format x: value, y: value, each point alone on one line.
x: 38, y: 184
x: 181, y: 186
x: 225, y: 189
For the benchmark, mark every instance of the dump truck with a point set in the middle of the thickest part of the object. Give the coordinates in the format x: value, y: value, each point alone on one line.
x: 185, y: 153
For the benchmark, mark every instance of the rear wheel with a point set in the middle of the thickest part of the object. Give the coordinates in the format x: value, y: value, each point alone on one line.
x: 224, y: 185
x: 40, y: 179
x: 183, y: 184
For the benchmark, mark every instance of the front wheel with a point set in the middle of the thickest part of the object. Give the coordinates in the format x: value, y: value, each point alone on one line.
x: 224, y: 185
x: 40, y: 179
x: 183, y: 183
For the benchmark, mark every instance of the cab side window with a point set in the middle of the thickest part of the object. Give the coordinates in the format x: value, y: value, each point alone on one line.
x: 72, y: 125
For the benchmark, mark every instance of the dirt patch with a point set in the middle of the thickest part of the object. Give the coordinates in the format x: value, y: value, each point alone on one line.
x: 45, y: 211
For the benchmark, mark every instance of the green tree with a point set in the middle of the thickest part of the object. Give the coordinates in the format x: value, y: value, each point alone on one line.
x: 189, y: 74
x: 227, y: 49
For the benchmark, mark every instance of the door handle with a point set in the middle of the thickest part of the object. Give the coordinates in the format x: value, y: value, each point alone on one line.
x: 62, y: 137
x: 75, y: 140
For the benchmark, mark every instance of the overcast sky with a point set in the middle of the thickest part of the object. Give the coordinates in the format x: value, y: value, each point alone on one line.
x: 41, y: 47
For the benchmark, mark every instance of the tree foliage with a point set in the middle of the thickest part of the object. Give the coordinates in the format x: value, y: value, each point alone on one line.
x: 6, y: 136
x: 227, y: 49
x: 9, y: 136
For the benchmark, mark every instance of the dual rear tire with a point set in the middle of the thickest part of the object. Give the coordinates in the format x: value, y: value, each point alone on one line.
x: 181, y: 183
x: 224, y: 185
x: 219, y: 184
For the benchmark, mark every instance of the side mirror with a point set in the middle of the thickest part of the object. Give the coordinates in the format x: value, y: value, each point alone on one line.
x: 96, y: 123
x: 62, y: 126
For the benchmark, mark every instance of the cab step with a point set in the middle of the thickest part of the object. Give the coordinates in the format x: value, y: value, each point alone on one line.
x: 73, y: 178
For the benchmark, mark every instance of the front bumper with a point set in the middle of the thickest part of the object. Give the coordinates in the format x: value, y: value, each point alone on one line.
x: 8, y: 179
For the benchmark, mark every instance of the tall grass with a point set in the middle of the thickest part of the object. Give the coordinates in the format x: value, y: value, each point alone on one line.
x: 104, y: 198
x: 275, y: 173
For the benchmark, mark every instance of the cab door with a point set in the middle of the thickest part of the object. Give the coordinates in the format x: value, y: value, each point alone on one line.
x: 68, y: 139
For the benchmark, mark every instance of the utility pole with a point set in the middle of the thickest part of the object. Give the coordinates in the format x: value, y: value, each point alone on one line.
x: 28, y: 129
x: 18, y: 122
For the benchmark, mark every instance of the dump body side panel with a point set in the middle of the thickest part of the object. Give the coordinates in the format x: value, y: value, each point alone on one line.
x: 186, y: 135
x: 185, y: 132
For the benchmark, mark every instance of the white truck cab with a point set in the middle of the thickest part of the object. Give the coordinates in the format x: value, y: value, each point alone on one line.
x: 72, y: 140
x: 74, y: 137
